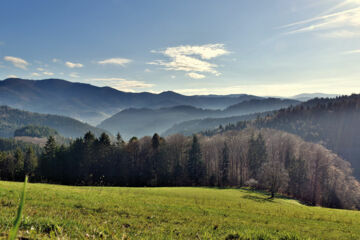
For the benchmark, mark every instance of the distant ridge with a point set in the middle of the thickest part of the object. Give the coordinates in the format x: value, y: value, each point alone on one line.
x: 12, y: 119
x: 93, y: 104
x: 145, y: 121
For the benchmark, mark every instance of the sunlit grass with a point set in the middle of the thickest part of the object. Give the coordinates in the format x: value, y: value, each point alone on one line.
x: 168, y: 213
x: 15, y: 228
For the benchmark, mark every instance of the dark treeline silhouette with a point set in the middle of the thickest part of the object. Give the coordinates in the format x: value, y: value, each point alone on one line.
x: 263, y: 159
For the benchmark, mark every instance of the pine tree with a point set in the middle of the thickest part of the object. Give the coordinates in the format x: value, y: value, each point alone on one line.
x: 47, y: 158
x: 30, y: 162
x: 195, y: 166
x: 224, y: 166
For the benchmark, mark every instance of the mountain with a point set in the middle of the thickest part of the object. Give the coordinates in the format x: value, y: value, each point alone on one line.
x: 145, y: 121
x: 93, y: 104
x: 333, y: 122
x: 259, y: 105
x: 13, y: 119
x: 190, y: 127
x: 307, y: 96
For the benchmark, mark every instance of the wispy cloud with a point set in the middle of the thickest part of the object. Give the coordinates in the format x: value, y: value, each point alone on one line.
x: 11, y: 76
x: 35, y: 74
x: 340, y: 34
x: 74, y: 75
x: 55, y: 60
x: 344, y: 15
x: 191, y: 58
x: 17, y: 62
x: 115, y: 61
x: 121, y: 83
x: 48, y: 73
x: 195, y: 75
x: 73, y: 65
x: 356, y: 51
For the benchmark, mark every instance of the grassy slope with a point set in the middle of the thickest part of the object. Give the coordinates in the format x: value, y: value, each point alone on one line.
x: 167, y: 213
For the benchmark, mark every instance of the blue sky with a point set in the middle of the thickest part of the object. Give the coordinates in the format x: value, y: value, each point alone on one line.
x: 272, y: 48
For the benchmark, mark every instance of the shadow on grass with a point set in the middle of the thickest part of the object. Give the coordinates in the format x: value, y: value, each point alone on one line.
x: 258, y: 198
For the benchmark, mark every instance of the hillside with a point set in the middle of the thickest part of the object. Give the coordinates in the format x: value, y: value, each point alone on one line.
x: 168, y: 213
x: 12, y: 119
x: 142, y: 122
x: 35, y: 131
x: 259, y: 105
x: 190, y: 127
x: 145, y: 122
x: 93, y: 104
x: 334, y: 122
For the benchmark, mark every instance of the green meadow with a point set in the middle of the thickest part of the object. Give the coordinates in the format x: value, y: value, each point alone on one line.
x: 65, y: 212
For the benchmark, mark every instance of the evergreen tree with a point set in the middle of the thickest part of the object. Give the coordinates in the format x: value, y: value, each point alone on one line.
x: 19, y: 165
x: 30, y: 162
x: 224, y: 166
x: 195, y: 166
x: 47, y: 159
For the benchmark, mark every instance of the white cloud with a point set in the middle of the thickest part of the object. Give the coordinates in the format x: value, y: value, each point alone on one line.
x: 115, y: 61
x: 35, y: 74
x: 48, y: 73
x: 207, y: 51
x: 73, y: 65
x: 121, y: 83
x: 173, y: 76
x: 55, y: 60
x: 11, y: 76
x: 74, y: 75
x: 17, y: 62
x: 356, y: 51
x: 147, y: 70
x: 195, y: 75
x: 191, y: 58
x: 40, y: 69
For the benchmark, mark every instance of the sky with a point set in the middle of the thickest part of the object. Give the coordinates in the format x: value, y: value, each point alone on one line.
x: 267, y: 48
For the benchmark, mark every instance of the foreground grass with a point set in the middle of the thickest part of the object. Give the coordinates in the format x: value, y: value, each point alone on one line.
x: 65, y: 212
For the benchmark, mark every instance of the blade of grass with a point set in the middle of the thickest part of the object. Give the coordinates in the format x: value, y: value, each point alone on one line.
x: 15, y: 228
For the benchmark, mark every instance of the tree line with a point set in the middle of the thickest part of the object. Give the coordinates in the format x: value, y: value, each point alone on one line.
x: 261, y: 159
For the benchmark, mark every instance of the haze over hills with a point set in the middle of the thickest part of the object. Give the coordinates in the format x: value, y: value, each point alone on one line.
x: 12, y: 119
x: 93, y: 104
x: 141, y: 122
x: 307, y: 96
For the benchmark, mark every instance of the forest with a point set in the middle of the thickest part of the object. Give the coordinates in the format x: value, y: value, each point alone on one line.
x: 263, y: 159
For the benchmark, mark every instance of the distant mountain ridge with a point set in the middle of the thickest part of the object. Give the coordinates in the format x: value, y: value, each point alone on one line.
x: 12, y: 119
x: 93, y: 104
x: 145, y: 121
x: 307, y: 96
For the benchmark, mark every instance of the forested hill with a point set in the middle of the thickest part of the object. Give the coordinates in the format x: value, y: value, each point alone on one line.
x: 93, y: 104
x: 334, y: 122
x: 12, y: 119
x: 142, y: 122
x: 259, y: 105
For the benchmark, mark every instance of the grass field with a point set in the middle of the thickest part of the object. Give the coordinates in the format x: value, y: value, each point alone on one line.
x: 65, y: 212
